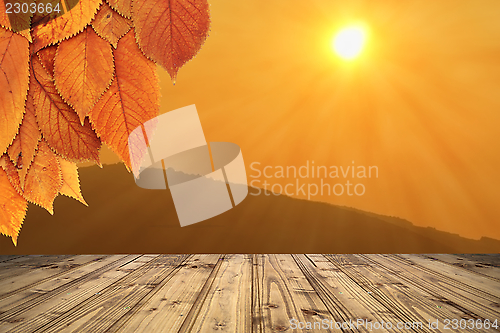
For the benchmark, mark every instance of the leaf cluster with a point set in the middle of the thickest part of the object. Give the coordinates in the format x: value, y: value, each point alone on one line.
x: 77, y: 81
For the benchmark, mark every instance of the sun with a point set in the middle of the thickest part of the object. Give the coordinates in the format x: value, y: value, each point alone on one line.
x: 349, y: 42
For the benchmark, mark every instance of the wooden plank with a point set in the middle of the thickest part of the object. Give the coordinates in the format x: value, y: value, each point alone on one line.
x: 168, y: 309
x: 4, y: 258
x: 20, y: 265
x: 35, y: 274
x: 286, y: 296
x: 406, y: 302
x: 229, y: 300
x: 197, y: 305
x: 28, y: 259
x: 344, y: 296
x: 26, y: 295
x: 115, y: 300
x: 460, y: 299
x: 34, y: 259
x: 480, y: 281
x: 243, y: 293
x: 28, y: 304
x: 257, y: 315
x: 79, y: 290
x: 482, y: 264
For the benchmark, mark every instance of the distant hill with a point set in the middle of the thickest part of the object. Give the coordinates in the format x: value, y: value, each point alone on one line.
x: 123, y: 218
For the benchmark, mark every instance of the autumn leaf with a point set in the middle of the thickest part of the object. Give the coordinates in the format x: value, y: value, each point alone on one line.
x: 83, y: 70
x: 42, y: 16
x: 14, y: 81
x: 58, y: 122
x: 22, y: 150
x: 12, y: 208
x: 21, y: 21
x: 170, y: 32
x: 110, y: 25
x: 65, y: 26
x: 70, y: 182
x: 44, y: 179
x: 131, y: 100
x: 124, y: 7
x: 86, y: 77
x: 11, y: 172
x: 47, y: 56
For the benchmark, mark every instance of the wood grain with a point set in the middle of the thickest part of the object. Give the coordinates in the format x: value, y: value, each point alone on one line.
x: 259, y: 293
x: 169, y: 307
x: 227, y: 306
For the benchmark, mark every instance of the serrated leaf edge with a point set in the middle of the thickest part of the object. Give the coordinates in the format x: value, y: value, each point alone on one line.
x: 71, y: 105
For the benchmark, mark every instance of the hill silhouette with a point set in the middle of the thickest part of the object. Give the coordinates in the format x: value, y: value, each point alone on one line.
x: 123, y: 218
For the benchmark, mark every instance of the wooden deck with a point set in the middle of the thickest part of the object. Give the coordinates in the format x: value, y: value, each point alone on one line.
x: 248, y: 293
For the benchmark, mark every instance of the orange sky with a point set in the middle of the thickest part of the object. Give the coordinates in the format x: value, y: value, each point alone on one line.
x: 422, y: 103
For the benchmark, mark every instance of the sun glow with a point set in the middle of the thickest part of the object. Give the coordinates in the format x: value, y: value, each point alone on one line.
x: 349, y: 42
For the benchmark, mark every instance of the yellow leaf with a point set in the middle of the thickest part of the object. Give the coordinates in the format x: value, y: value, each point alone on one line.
x: 46, y: 57
x: 14, y: 81
x: 170, y: 32
x: 58, y: 122
x: 110, y: 25
x: 11, y: 172
x: 83, y: 70
x: 65, y: 26
x: 124, y: 7
x: 70, y: 182
x: 22, y: 150
x: 44, y: 179
x: 12, y: 208
x: 132, y: 99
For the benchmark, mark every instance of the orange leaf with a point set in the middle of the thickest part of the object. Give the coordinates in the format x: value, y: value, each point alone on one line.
x: 110, y: 25
x: 132, y: 99
x: 47, y: 56
x: 22, y: 150
x: 44, y: 179
x: 12, y: 208
x: 65, y: 26
x: 71, y: 184
x: 14, y: 81
x: 11, y: 172
x: 83, y: 70
x: 170, y: 32
x: 60, y: 124
x: 22, y: 21
x: 122, y: 6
